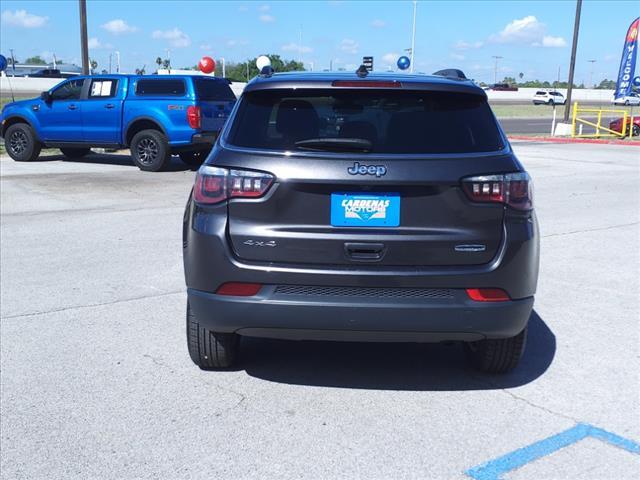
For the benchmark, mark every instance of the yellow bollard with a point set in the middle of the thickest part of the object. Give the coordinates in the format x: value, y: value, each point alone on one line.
x: 573, y: 121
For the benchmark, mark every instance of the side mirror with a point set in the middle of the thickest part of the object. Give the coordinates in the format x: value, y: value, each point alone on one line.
x: 45, y: 96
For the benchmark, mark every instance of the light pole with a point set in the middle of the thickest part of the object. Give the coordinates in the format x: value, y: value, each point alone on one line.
x: 495, y: 70
x: 572, y: 64
x: 117, y: 61
x: 224, y: 72
x: 84, y: 42
x: 591, y: 73
x: 413, y: 34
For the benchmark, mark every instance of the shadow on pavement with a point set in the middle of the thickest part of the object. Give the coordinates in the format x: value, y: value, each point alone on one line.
x: 119, y: 159
x: 389, y: 366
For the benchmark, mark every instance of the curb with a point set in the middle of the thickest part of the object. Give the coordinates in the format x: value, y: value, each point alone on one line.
x: 628, y: 143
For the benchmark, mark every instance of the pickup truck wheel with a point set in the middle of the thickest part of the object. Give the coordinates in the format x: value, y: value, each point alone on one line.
x: 497, y: 355
x: 636, y: 130
x: 21, y: 143
x: 194, y: 158
x: 150, y: 150
x: 75, y: 152
x: 208, y: 349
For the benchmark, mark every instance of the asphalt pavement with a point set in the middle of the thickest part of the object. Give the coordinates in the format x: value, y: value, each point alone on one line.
x: 96, y: 382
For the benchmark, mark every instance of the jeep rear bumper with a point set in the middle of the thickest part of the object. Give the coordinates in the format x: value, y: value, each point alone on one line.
x: 299, y: 316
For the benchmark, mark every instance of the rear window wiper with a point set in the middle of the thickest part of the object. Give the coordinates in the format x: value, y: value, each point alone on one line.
x: 335, y: 144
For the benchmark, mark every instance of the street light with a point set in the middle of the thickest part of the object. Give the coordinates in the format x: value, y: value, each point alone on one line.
x: 591, y: 73
x: 495, y: 70
x: 413, y: 35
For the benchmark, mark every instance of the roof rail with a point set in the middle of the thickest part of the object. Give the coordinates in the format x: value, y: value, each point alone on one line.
x: 451, y: 73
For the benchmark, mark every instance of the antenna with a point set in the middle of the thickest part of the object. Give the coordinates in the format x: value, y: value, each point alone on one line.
x: 362, y: 71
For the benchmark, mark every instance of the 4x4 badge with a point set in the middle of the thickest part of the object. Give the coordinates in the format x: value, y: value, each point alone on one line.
x: 357, y: 169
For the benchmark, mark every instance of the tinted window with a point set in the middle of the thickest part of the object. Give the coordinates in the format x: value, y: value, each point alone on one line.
x: 392, y: 121
x: 160, y: 87
x: 68, y: 91
x: 540, y: 92
x: 213, y: 90
x: 103, y: 88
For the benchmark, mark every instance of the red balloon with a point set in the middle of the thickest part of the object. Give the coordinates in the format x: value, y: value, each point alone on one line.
x: 207, y: 64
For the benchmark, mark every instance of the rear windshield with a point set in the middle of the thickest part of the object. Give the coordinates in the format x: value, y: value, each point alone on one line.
x: 160, y: 87
x: 386, y: 121
x: 213, y: 90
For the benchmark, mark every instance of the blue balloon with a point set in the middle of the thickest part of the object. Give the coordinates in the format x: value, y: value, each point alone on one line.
x: 3, y: 63
x: 636, y: 82
x: 404, y: 62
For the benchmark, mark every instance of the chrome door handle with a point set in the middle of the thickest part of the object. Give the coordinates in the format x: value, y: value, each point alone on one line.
x: 72, y: 107
x: 109, y: 105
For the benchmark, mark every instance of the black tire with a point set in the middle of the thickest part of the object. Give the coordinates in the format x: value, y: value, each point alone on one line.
x: 636, y: 130
x: 626, y: 102
x: 150, y: 150
x: 210, y: 350
x: 551, y: 103
x: 75, y: 152
x: 21, y: 143
x: 497, y: 355
x: 194, y: 158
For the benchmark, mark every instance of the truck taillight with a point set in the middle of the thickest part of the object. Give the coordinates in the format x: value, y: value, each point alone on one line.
x: 215, y: 185
x: 194, y: 116
x: 512, y: 189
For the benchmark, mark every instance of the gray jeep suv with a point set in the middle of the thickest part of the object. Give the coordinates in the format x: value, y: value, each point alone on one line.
x: 354, y: 207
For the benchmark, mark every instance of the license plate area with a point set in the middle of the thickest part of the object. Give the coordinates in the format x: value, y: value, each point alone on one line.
x: 365, y: 210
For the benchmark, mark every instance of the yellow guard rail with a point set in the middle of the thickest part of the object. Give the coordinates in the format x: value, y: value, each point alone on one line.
x: 601, y: 131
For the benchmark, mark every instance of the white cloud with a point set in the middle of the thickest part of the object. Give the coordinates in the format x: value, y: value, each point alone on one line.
x: 118, y: 26
x: 205, y: 46
x: 95, y: 44
x: 457, y: 56
x: 264, y: 8
x: 294, y: 47
x: 550, y: 41
x: 265, y: 18
x: 176, y: 37
x: 243, y: 8
x: 22, y: 18
x: 231, y: 43
x: 462, y: 45
x: 377, y: 23
x: 390, y: 58
x: 350, y: 46
x: 527, y: 31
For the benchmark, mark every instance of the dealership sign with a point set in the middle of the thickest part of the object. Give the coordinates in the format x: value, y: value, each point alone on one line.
x: 628, y: 62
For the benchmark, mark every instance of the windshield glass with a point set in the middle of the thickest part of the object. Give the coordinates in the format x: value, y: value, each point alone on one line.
x: 213, y: 90
x: 389, y: 121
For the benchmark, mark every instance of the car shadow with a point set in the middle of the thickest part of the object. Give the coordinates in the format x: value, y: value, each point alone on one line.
x: 389, y: 366
x: 118, y: 159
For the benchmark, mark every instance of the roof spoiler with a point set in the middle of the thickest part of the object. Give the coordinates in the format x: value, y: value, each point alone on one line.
x: 451, y: 73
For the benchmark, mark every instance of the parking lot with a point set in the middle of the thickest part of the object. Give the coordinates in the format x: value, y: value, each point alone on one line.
x: 97, y: 383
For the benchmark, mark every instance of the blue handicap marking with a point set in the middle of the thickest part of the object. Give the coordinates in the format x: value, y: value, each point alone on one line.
x: 493, y: 469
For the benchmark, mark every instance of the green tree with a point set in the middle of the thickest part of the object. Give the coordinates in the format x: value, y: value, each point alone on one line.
x: 94, y: 64
x: 607, y: 85
x: 241, y: 72
x: 36, y: 60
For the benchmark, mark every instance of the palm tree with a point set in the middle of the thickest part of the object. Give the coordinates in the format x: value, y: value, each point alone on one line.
x: 159, y: 62
x: 94, y: 65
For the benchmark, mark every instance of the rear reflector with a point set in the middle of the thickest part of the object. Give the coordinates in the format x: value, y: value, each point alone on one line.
x: 366, y: 84
x: 487, y: 295
x: 194, y: 116
x: 238, y: 289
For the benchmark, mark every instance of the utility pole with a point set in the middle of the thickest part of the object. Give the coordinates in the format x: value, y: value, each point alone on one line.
x: 117, y: 61
x: 591, y: 74
x: 84, y: 42
x: 495, y: 69
x: 110, y: 55
x: 572, y: 64
x: 413, y: 34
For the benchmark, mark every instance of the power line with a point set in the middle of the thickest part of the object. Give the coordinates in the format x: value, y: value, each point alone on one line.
x: 495, y: 70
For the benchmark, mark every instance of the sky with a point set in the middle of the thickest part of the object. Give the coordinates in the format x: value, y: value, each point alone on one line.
x: 533, y: 38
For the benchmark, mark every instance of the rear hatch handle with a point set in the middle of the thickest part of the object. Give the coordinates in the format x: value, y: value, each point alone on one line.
x: 365, y: 252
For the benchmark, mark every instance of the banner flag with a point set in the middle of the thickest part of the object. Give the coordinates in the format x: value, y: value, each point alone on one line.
x: 628, y: 61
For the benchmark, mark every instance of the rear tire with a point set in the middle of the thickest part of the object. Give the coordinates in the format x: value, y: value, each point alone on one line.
x: 207, y: 349
x: 150, y: 150
x: 194, y: 158
x: 21, y: 143
x: 497, y: 355
x: 636, y: 130
x: 75, y: 152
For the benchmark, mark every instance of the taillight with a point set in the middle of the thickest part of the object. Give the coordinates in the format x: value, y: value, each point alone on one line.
x: 215, y: 185
x: 194, y: 116
x: 239, y: 289
x: 512, y: 189
x: 487, y: 295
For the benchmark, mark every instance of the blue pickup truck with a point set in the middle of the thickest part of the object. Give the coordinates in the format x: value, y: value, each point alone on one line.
x: 154, y: 116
